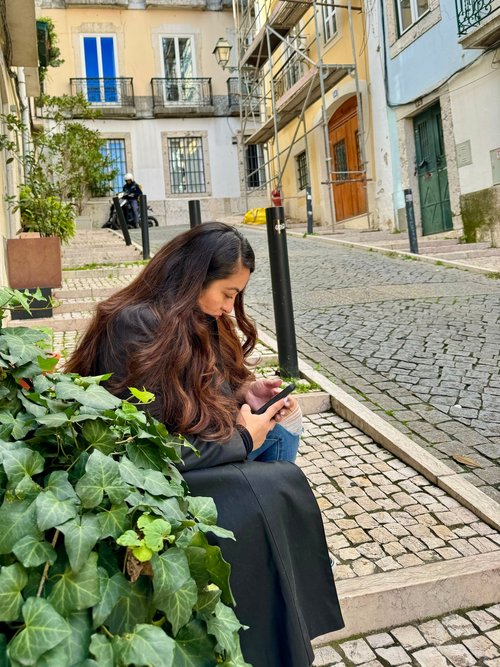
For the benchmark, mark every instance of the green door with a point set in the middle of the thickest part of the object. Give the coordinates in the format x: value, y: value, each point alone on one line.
x: 432, y: 172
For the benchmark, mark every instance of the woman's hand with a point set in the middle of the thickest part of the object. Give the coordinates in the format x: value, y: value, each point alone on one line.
x: 259, y: 425
x: 261, y: 391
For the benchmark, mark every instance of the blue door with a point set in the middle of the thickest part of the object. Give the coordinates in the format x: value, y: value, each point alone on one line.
x: 100, y: 69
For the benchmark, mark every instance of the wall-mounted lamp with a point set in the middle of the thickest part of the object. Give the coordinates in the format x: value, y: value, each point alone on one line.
x: 222, y: 53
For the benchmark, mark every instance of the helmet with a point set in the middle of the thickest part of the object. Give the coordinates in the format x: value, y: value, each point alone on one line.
x: 129, y: 177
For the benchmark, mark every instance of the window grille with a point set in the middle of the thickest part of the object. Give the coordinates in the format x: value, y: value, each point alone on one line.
x: 114, y: 149
x: 256, y: 173
x: 186, y: 164
x: 302, y: 171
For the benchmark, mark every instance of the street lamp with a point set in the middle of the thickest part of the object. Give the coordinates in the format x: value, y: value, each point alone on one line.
x: 222, y: 53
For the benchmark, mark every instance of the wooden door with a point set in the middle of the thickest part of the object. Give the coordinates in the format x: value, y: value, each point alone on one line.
x: 432, y: 172
x: 348, y: 179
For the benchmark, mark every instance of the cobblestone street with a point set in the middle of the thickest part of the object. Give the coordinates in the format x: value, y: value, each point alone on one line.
x: 418, y: 342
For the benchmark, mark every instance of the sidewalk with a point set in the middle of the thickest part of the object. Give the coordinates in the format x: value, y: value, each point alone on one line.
x: 418, y: 572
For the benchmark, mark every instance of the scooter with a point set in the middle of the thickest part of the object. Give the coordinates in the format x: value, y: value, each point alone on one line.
x: 112, y: 221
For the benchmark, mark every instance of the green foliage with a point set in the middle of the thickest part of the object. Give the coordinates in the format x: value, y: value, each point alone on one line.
x: 63, y: 165
x: 104, y: 557
x: 54, y: 55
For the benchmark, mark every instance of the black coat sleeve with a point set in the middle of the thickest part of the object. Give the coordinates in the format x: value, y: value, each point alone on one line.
x: 135, y: 326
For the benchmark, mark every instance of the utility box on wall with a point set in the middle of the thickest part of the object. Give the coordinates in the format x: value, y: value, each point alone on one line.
x: 495, y: 165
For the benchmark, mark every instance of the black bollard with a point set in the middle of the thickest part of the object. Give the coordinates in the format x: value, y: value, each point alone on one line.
x: 309, y: 210
x: 146, y: 254
x: 282, y: 292
x: 410, y: 221
x: 121, y: 219
x: 194, y: 212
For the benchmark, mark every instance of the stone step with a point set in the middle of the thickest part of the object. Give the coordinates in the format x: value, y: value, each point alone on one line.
x: 469, y: 254
x: 96, y: 293
x: 103, y: 272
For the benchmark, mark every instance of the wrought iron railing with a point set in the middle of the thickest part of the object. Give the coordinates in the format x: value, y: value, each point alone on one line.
x: 248, y: 91
x: 105, y: 92
x: 288, y: 76
x: 181, y: 92
x: 470, y: 13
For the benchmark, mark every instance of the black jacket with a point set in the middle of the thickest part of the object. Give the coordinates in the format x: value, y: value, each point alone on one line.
x: 132, y: 190
x: 281, y: 575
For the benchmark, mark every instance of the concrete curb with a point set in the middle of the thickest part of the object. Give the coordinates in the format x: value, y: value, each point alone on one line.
x: 401, y: 445
x: 386, y: 600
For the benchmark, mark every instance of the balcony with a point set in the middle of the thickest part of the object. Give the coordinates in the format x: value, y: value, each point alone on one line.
x: 181, y: 97
x: 478, y: 23
x: 114, y: 97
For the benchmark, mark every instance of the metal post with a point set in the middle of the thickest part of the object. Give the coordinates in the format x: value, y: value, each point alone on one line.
x: 121, y: 219
x: 282, y: 293
x: 146, y: 254
x: 309, y: 209
x: 410, y: 220
x: 194, y: 212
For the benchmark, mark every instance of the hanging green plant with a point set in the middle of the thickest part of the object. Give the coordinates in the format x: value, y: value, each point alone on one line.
x: 104, y: 556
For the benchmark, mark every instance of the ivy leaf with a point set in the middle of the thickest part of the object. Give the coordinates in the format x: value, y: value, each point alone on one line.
x: 53, y: 512
x: 193, y: 647
x: 20, y: 350
x: 175, y: 592
x: 203, y: 509
x: 133, y: 608
x: 97, y: 433
x: 129, y: 539
x: 20, y: 462
x: 44, y: 628
x: 155, y: 533
x: 80, y: 537
x: 54, y: 420
x: 47, y: 364
x: 224, y: 626
x: 75, y: 591
x: 59, y: 484
x: 13, y: 579
x: 93, y: 396
x: 131, y: 473
x: 218, y: 569
x: 145, y: 455
x: 33, y: 551
x: 72, y: 650
x: 143, y: 396
x: 102, y: 476
x: 111, y: 589
x: 147, y: 645
x: 157, y: 484
x: 113, y: 522
x: 101, y: 649
x: 207, y: 601
x: 17, y: 519
x: 217, y: 530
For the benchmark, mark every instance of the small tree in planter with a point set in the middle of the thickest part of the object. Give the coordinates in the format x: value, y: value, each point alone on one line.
x: 104, y: 556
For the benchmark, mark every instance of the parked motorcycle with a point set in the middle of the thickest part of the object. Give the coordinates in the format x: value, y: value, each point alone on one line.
x: 113, y: 223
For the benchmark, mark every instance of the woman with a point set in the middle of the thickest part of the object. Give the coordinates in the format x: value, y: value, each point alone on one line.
x: 170, y: 331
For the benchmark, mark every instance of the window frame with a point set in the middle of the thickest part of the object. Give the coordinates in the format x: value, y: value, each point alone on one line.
x: 302, y: 167
x: 329, y: 16
x: 414, y: 15
x: 259, y: 171
x: 176, y: 38
x: 172, y: 172
x: 120, y: 176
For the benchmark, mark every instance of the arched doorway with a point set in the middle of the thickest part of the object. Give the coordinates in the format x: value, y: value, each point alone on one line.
x: 348, y: 184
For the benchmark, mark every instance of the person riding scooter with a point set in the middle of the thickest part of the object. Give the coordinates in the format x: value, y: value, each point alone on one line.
x: 132, y: 191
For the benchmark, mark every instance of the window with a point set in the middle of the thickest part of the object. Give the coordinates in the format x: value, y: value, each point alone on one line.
x: 409, y: 12
x: 100, y: 69
x: 340, y: 158
x: 178, y: 57
x: 302, y: 171
x: 187, y: 169
x: 256, y: 173
x: 329, y: 21
x: 115, y: 150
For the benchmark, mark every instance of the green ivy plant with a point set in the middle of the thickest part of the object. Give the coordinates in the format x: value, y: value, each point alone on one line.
x: 104, y: 557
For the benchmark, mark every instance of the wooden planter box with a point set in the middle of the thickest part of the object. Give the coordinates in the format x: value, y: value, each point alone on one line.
x: 33, y: 261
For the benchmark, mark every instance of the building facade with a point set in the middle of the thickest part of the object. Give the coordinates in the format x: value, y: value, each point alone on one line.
x: 436, y: 65
x: 167, y: 110
x: 18, y: 81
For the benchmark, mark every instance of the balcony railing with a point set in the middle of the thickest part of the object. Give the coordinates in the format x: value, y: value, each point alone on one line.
x: 172, y: 93
x: 235, y: 90
x: 470, y: 13
x: 110, y: 92
x: 288, y: 76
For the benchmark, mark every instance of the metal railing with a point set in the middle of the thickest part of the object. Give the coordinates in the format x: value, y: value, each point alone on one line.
x: 249, y: 99
x: 470, y: 13
x: 182, y: 92
x: 105, y: 92
x: 288, y: 76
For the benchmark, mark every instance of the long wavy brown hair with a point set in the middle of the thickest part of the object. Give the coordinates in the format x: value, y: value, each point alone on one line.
x: 177, y: 356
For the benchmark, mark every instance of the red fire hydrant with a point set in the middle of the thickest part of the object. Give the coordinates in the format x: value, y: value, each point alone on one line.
x: 276, y: 197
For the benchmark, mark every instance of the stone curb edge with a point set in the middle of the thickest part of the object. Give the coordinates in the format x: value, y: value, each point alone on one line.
x: 401, y: 445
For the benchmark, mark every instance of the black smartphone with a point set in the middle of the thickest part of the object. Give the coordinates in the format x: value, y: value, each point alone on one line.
x: 284, y: 392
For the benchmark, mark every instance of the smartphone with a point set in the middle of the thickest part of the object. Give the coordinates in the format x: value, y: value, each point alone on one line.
x: 284, y: 392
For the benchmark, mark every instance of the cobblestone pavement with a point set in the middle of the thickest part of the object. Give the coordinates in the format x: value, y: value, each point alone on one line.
x: 466, y: 639
x: 418, y: 343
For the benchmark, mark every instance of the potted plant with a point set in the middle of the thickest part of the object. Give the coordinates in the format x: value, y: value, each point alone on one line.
x: 58, y: 169
x: 104, y: 557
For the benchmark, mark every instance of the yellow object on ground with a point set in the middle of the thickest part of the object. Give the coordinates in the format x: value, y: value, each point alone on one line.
x: 255, y: 216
